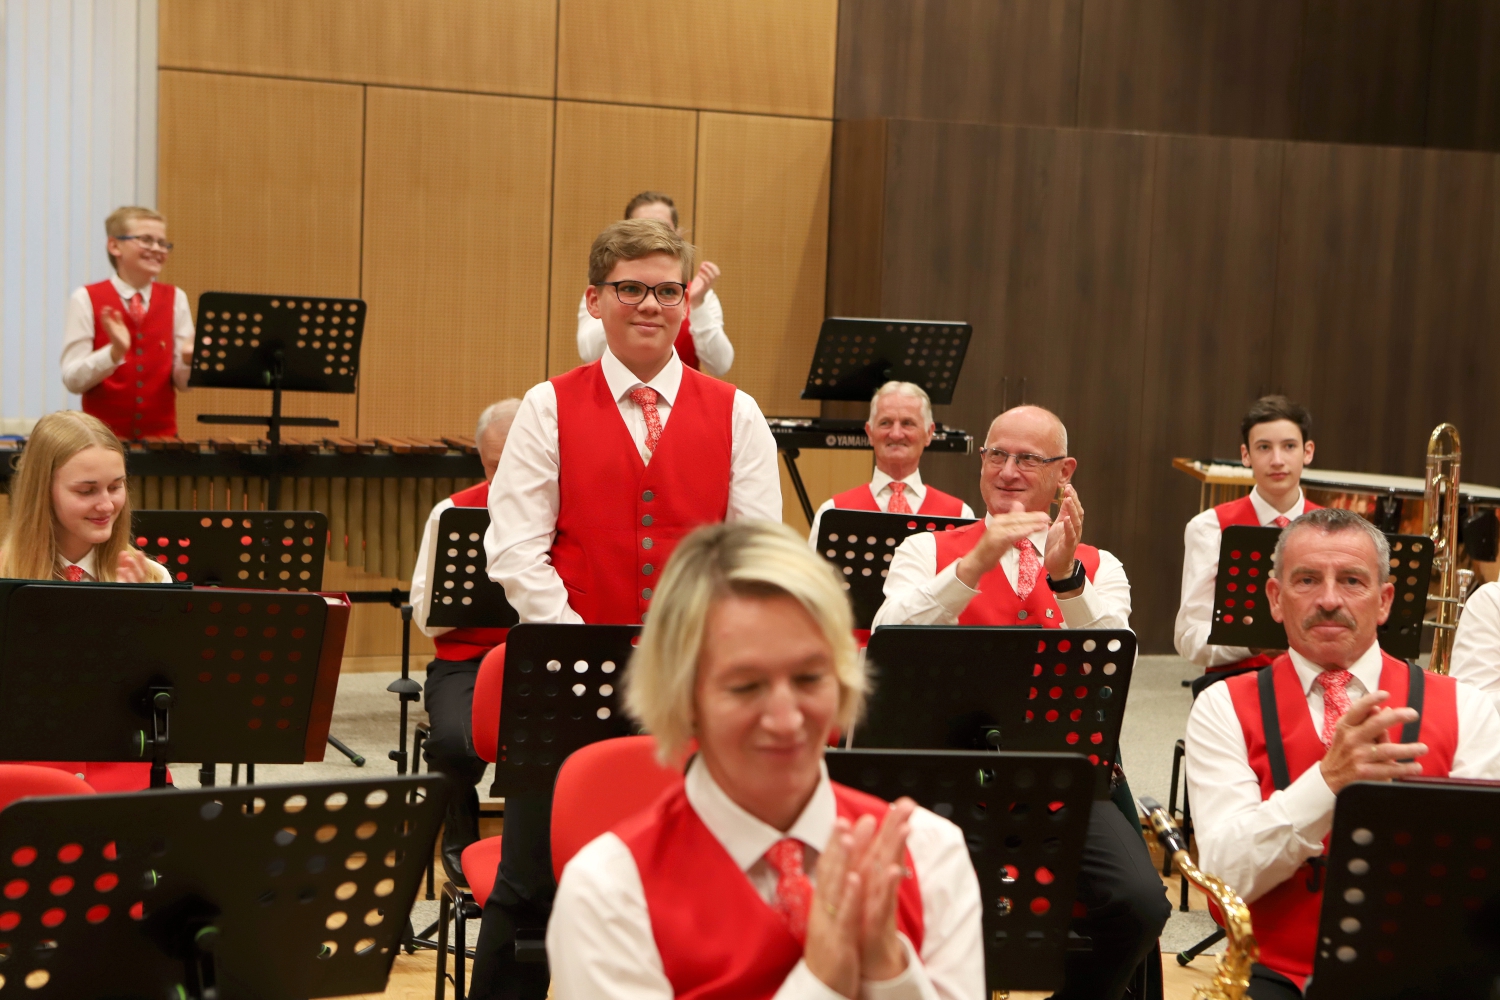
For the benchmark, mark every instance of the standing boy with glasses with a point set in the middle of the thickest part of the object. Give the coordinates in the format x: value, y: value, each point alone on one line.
x: 129, y: 341
x: 605, y: 469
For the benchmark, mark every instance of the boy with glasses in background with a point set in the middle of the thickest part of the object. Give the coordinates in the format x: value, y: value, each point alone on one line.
x: 128, y: 347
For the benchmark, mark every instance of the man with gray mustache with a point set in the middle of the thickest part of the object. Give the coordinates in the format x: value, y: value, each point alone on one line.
x: 1267, y: 752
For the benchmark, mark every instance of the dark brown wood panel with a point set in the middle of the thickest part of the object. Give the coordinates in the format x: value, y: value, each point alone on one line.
x: 1364, y: 71
x: 1386, y: 303
x: 1010, y: 61
x: 1207, y: 346
x: 1463, y: 99
x: 1216, y: 67
x: 856, y: 212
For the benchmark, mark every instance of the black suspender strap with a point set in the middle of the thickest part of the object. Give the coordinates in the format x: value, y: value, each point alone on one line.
x: 1415, y: 691
x: 1270, y: 724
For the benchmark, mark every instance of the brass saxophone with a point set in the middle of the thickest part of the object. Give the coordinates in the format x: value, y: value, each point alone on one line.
x: 1440, y: 523
x: 1232, y: 975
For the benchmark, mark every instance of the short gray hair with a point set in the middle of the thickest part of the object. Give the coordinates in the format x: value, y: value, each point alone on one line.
x: 503, y: 410
x: 1331, y: 520
x: 906, y: 389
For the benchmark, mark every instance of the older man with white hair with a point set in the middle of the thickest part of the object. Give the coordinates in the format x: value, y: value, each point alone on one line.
x: 1268, y: 752
x: 448, y: 694
x: 900, y: 428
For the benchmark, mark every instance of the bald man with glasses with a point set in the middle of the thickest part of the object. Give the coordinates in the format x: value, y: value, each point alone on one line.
x: 1018, y: 566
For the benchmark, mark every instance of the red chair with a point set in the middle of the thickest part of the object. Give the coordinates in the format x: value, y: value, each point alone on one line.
x: 600, y: 785
x: 24, y: 781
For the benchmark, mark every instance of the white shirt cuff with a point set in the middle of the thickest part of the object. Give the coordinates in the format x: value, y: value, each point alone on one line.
x: 1309, y: 802
x: 951, y: 593
x: 801, y: 984
x: 907, y: 986
x: 1081, y: 611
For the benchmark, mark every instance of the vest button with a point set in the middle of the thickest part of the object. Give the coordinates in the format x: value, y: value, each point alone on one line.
x: 140, y: 385
x: 648, y: 496
x: 646, y: 520
x: 645, y: 543
x: 647, y: 569
x: 1021, y: 615
x: 646, y: 593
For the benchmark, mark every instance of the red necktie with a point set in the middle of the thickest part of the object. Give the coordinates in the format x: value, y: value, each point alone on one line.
x: 1281, y: 521
x: 1335, y: 700
x: 137, y: 307
x: 898, y: 504
x: 1030, y: 568
x: 793, y: 888
x: 645, y: 398
x: 73, y: 574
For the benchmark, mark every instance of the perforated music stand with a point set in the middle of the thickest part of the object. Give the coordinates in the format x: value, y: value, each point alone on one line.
x: 276, y: 342
x: 298, y: 890
x: 854, y: 357
x: 112, y: 672
x: 1027, y: 690
x: 1024, y: 816
x: 463, y: 595
x: 1242, y: 616
x: 562, y: 691
x: 861, y: 543
x: 1411, y: 907
x: 259, y: 550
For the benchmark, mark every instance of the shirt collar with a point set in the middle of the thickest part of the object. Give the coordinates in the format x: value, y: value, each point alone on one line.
x: 126, y: 290
x: 621, y: 380
x: 1267, y: 514
x: 914, y: 487
x: 746, y: 838
x: 88, y: 564
x: 1366, y: 669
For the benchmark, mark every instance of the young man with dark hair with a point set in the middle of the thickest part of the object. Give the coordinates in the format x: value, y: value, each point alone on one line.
x: 1276, y: 444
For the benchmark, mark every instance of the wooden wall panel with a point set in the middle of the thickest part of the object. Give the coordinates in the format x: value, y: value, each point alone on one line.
x: 601, y: 163
x: 824, y: 473
x: 1217, y: 67
x: 762, y: 215
x: 457, y: 205
x: 260, y: 181
x: 996, y: 61
x: 1463, y: 99
x: 1365, y: 69
x: 773, y: 57
x: 476, y: 45
x: 857, y: 214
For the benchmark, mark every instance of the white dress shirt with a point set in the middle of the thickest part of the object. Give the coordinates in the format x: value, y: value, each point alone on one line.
x: 600, y: 943
x: 1476, y: 645
x: 1256, y: 845
x: 917, y: 594
x: 426, y: 554
x: 705, y: 323
x: 83, y: 367
x: 1200, y: 566
x: 524, y: 498
x: 880, y: 486
x: 90, y: 563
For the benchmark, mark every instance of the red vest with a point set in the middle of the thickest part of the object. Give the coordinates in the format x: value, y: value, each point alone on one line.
x: 716, y: 935
x: 686, y: 349
x: 138, y: 399
x: 936, y: 502
x: 618, y: 518
x: 1242, y: 511
x: 1286, y: 918
x: 997, y: 603
x: 469, y: 643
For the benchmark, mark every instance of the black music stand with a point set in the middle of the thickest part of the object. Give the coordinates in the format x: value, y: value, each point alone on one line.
x: 121, y: 672
x: 302, y: 343
x: 1242, y: 616
x: 251, y: 550
x: 861, y: 544
x: 854, y: 357
x: 562, y: 692
x: 1024, y: 816
x: 295, y: 890
x: 1029, y: 690
x: 1411, y: 907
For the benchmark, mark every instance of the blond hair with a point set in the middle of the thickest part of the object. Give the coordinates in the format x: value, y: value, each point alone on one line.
x: 904, y: 389
x: 747, y: 558
x: 118, y: 224
x: 632, y: 239
x: 30, y: 551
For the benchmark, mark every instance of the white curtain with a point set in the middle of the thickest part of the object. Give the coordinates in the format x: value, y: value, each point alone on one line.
x: 79, y: 140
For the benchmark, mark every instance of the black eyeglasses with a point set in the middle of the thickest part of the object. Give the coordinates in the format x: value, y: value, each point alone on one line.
x: 1025, y: 461
x: 149, y: 242
x: 633, y: 293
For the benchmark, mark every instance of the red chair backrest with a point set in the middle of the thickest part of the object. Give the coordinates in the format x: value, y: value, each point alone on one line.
x: 598, y: 786
x: 20, y: 781
x: 484, y: 717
